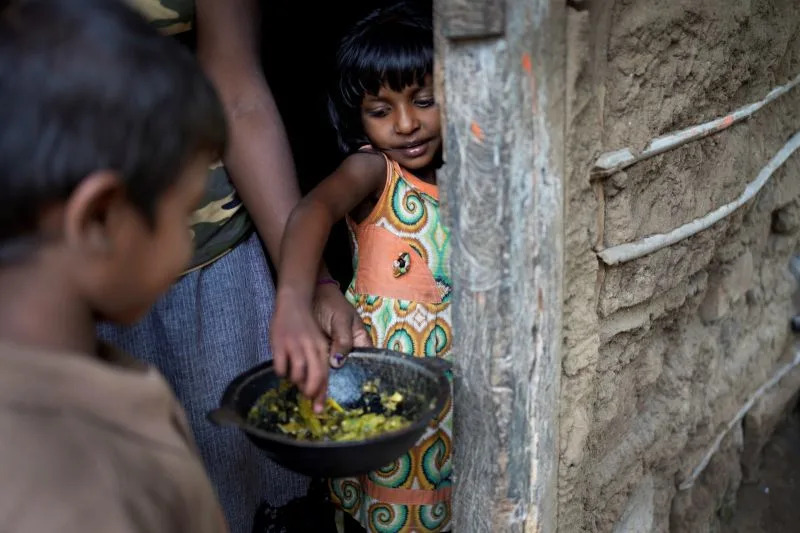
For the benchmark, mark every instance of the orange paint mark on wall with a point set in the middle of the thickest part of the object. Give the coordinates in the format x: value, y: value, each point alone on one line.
x: 476, y: 130
x: 526, y: 63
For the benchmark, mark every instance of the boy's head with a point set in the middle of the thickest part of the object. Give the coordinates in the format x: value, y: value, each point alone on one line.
x: 106, y: 133
x: 390, y: 50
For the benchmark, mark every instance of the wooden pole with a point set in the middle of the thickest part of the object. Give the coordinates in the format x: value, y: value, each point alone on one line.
x: 502, y: 85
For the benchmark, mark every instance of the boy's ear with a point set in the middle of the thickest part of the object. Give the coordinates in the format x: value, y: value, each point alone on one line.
x: 89, y: 210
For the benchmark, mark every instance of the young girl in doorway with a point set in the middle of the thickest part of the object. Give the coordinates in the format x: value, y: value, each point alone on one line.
x: 387, y: 120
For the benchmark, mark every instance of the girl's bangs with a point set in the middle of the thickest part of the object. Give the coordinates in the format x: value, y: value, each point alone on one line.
x: 396, y: 65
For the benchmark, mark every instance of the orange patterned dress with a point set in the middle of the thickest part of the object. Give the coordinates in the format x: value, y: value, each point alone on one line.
x: 401, y: 289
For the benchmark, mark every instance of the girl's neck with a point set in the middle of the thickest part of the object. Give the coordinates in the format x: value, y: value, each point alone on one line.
x: 427, y: 175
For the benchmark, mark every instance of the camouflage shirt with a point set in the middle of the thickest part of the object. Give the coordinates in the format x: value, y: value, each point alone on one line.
x: 221, y: 222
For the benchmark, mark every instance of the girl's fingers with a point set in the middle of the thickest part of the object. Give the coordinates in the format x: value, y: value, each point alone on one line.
x: 319, y: 401
x: 279, y: 360
x: 304, y: 361
x: 312, y: 375
x: 313, y: 379
x: 297, y: 367
x: 318, y: 383
x: 337, y: 360
x: 361, y: 338
x: 320, y: 390
x: 341, y: 334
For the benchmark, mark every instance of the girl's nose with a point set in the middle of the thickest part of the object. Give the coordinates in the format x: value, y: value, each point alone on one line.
x: 406, y: 122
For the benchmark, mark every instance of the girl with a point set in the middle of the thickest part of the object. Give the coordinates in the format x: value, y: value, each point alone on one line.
x: 387, y: 120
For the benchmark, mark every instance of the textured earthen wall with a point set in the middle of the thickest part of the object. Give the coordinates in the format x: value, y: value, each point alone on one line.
x: 662, y: 351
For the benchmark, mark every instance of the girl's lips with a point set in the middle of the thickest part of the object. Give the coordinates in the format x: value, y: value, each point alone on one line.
x: 415, y: 151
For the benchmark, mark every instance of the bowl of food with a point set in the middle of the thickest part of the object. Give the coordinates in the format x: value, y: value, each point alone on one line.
x: 379, y: 404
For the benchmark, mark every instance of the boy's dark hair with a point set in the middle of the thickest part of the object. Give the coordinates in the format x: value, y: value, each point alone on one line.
x: 88, y: 85
x: 391, y: 46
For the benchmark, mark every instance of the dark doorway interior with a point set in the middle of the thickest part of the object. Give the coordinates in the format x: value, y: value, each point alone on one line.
x: 299, y: 43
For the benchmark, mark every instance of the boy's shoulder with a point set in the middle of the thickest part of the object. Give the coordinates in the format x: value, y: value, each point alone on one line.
x: 96, y: 445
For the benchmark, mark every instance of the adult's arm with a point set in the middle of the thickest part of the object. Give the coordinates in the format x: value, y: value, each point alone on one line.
x: 258, y: 157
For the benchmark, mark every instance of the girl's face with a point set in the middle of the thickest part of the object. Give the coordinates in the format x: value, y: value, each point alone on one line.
x: 404, y: 124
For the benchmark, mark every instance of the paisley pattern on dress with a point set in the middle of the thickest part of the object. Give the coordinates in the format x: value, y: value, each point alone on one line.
x: 409, y: 209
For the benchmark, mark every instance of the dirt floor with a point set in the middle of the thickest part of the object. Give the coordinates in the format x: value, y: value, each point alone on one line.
x: 773, y: 504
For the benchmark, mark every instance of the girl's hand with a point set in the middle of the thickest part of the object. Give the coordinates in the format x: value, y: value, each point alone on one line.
x: 340, y: 322
x: 300, y: 349
x: 298, y: 344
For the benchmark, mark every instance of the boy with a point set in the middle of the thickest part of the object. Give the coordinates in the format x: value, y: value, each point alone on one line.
x: 106, y: 133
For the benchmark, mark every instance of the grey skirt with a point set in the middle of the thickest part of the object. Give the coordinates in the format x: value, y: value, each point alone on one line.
x: 210, y: 326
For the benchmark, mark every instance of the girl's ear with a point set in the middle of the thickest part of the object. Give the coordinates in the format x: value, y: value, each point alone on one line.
x: 89, y: 213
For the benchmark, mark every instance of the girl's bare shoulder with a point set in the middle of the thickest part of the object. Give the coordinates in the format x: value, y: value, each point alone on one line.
x: 368, y: 164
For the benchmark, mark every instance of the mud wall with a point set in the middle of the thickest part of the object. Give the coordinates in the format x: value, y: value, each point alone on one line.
x: 661, y: 352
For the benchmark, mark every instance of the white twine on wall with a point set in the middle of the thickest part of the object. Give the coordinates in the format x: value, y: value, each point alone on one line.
x: 689, y: 482
x: 647, y: 245
x: 611, y: 162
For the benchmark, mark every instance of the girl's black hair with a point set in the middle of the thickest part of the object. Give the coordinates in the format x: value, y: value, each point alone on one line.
x: 391, y: 46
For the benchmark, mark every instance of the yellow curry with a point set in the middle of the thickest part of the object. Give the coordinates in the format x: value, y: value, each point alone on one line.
x: 287, y: 411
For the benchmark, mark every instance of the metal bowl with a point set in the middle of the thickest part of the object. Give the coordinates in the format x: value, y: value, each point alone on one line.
x: 423, y: 381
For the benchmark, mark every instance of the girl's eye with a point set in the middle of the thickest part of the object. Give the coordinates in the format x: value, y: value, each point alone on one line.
x: 377, y: 113
x: 424, y: 102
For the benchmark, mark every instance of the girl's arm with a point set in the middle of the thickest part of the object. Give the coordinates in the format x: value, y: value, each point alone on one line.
x: 297, y: 342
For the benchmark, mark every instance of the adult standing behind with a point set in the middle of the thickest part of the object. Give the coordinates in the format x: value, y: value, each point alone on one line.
x: 213, y: 323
